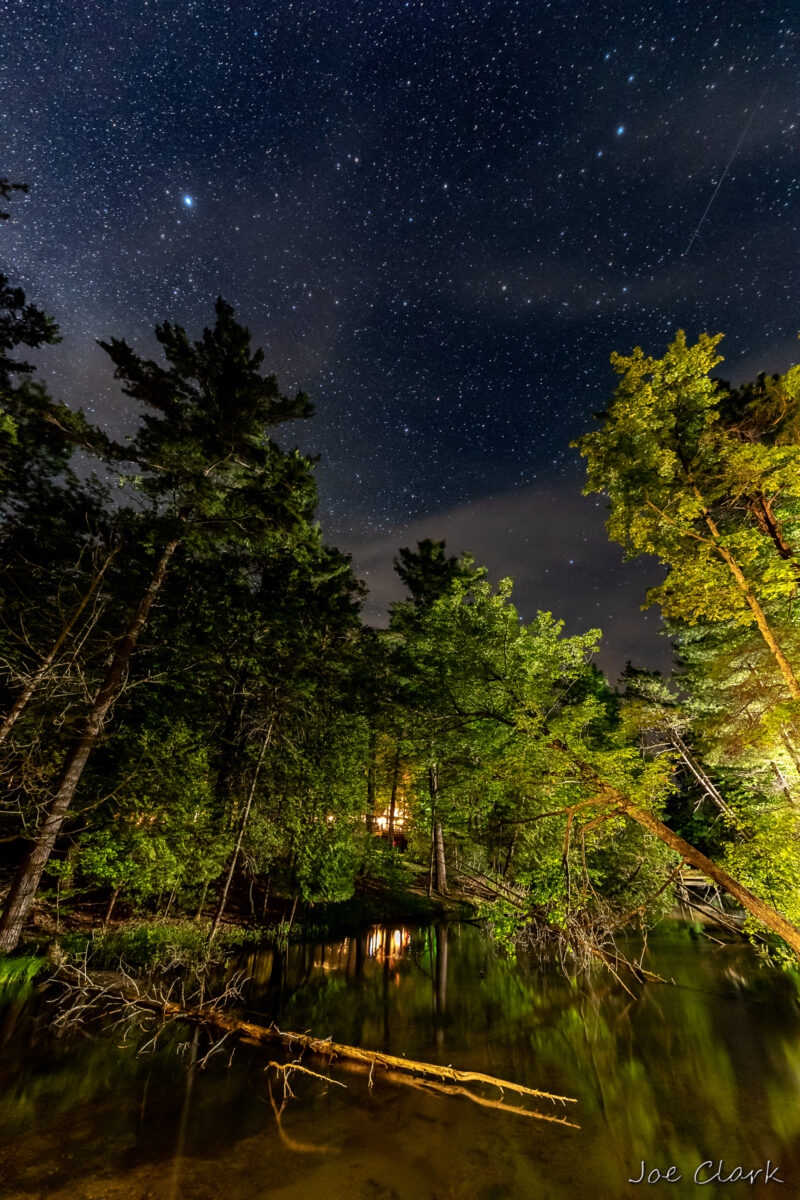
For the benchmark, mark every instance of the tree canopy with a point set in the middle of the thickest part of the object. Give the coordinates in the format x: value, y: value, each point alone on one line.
x: 195, y: 716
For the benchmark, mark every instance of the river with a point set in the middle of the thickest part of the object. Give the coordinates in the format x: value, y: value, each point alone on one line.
x: 703, y: 1070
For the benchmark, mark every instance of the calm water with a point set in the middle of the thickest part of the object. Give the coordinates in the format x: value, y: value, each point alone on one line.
x: 706, y: 1069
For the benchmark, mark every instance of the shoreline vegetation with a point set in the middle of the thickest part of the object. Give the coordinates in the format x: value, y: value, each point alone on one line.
x: 195, y: 719
x: 144, y: 945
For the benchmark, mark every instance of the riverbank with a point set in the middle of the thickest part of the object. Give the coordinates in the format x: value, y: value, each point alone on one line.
x: 106, y: 1111
x: 146, y: 941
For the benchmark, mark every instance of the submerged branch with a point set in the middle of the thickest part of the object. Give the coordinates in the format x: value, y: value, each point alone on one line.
x: 399, y: 1070
x: 449, y: 1089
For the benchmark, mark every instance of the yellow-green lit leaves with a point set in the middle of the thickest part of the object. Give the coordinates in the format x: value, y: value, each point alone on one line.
x: 661, y: 416
x: 524, y: 734
x: 765, y: 859
x: 706, y: 479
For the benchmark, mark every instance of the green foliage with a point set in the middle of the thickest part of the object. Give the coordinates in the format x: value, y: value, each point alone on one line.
x: 203, y: 446
x: 507, y: 712
x: 156, y: 946
x: 675, y: 473
x: 323, y: 774
x: 160, y: 833
x: 765, y: 855
x: 506, y: 922
x: 260, y: 732
x: 327, y: 858
x: 428, y: 572
x: 18, y: 973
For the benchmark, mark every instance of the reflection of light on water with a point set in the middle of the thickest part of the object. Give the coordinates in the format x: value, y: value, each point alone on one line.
x: 334, y: 957
x: 382, y: 944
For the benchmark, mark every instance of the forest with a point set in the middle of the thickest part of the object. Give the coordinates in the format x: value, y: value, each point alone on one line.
x: 198, y: 726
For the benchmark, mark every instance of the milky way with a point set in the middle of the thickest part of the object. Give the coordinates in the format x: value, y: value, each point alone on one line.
x: 439, y: 219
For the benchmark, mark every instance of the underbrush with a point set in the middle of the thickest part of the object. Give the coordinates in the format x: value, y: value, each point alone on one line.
x: 149, y: 944
x: 17, y: 974
x: 164, y: 945
x: 156, y: 945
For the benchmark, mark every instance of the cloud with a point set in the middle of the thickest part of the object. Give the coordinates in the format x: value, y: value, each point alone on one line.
x: 552, y: 543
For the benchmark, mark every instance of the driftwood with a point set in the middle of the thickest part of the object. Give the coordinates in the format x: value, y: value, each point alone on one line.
x: 448, y: 1079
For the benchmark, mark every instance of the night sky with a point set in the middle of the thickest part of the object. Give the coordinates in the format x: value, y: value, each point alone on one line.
x: 438, y: 217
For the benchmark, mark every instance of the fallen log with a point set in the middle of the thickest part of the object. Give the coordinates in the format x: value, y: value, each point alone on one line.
x: 399, y: 1070
x: 758, y: 908
x: 763, y: 912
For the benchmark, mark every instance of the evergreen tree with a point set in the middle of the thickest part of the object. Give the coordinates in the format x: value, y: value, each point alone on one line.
x: 428, y: 572
x: 213, y: 478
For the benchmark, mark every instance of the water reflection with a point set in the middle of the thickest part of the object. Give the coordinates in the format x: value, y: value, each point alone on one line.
x: 707, y: 1069
x: 383, y: 942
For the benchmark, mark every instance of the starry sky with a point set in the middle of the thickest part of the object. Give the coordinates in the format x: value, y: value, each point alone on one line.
x: 438, y: 217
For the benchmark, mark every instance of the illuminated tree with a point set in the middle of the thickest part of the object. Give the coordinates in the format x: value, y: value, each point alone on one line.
x: 673, y: 472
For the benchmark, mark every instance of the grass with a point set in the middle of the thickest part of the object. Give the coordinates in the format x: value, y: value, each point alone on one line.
x: 17, y: 974
x: 151, y: 945
x: 156, y: 945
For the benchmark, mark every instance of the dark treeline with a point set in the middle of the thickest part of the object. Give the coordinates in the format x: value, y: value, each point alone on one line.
x: 192, y: 708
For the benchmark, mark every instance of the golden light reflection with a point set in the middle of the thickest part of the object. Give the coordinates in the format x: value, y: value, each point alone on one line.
x: 384, y: 944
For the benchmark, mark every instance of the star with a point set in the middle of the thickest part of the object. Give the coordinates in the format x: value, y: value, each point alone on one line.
x: 465, y: 256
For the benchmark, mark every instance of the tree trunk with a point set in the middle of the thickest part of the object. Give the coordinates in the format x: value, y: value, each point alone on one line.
x: 770, y: 526
x: 231, y: 742
x: 223, y: 900
x: 783, y: 782
x: 200, y: 906
x: 510, y: 854
x: 751, y: 601
x: 397, y: 1068
x: 790, y: 749
x: 29, y: 690
x: 393, y: 800
x: 441, y: 868
x: 700, y: 775
x: 26, y: 882
x: 371, y: 782
x: 265, y: 905
x: 110, y: 908
x: 763, y: 912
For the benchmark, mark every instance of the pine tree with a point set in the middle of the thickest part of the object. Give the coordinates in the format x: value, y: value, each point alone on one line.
x: 213, y: 478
